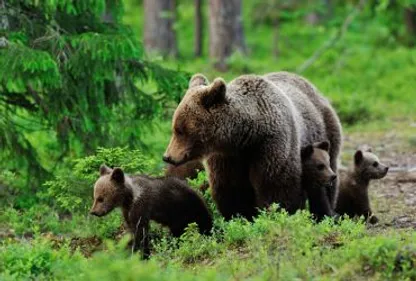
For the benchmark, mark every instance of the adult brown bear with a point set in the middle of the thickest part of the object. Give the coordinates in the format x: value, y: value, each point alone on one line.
x: 251, y: 132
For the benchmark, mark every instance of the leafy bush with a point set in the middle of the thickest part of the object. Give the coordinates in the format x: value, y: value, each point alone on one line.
x: 353, y: 110
x: 73, y: 192
x: 35, y: 260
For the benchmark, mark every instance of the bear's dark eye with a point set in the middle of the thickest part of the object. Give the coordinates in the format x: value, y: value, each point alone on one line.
x: 100, y: 200
x: 321, y: 167
x: 375, y: 164
x: 179, y: 131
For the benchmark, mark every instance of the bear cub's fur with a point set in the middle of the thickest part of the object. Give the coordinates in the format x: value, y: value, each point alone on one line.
x: 166, y: 200
x: 317, y: 178
x: 353, y: 197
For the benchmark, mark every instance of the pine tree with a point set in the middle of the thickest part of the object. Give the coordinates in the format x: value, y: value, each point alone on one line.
x: 70, y: 68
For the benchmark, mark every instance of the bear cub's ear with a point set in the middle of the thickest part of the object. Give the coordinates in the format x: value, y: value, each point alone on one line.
x: 104, y: 170
x: 215, y: 94
x: 358, y: 157
x: 198, y: 80
x: 324, y: 145
x: 117, y: 175
x: 306, y: 152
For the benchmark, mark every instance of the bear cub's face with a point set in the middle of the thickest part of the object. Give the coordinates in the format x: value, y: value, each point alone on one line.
x: 316, y: 165
x: 193, y: 124
x: 368, y: 166
x: 107, y: 191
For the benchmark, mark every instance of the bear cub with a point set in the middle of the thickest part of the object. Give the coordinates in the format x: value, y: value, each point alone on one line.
x: 318, y: 178
x: 166, y: 200
x: 353, y: 197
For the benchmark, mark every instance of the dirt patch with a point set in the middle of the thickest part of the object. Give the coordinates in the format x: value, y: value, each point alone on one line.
x: 87, y: 246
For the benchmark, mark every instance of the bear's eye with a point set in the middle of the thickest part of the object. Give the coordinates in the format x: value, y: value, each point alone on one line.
x: 321, y: 167
x: 100, y: 200
x: 375, y: 164
x: 179, y: 131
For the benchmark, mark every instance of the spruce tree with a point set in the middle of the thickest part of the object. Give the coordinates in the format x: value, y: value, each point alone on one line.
x: 72, y: 69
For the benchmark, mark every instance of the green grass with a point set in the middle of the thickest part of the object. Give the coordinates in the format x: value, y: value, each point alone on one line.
x: 274, y: 247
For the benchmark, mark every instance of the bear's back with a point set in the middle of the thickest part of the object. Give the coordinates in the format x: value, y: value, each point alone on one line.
x: 267, y: 107
x: 314, y: 109
x: 171, y: 202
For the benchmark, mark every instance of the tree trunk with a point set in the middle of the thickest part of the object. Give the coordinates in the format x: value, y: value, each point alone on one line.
x: 410, y: 22
x: 240, y: 41
x: 4, y: 21
x: 107, y: 16
x: 4, y: 24
x: 316, y: 17
x: 159, y: 35
x: 328, y: 8
x: 199, y: 28
x: 225, y: 30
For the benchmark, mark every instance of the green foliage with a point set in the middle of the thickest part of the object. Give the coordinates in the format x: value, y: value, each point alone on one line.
x: 275, y: 246
x: 72, y: 192
x: 25, y: 261
x: 69, y: 71
x: 353, y: 110
x: 36, y: 69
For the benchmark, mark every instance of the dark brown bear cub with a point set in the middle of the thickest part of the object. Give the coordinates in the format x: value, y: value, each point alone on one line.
x: 166, y: 200
x: 353, y: 197
x: 317, y: 178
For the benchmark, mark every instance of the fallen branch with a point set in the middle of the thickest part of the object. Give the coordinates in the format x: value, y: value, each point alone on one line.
x: 338, y: 35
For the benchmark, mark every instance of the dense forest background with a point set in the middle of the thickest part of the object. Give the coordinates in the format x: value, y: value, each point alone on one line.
x: 84, y: 82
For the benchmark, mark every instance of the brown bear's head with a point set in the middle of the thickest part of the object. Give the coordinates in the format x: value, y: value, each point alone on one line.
x: 195, y: 122
x: 316, y: 165
x: 108, y: 191
x: 368, y: 166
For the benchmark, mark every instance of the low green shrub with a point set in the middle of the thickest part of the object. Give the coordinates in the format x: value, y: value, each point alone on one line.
x: 73, y: 191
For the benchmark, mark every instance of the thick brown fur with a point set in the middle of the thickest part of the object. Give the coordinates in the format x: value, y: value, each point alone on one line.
x: 317, y: 178
x: 251, y: 132
x: 353, y: 198
x: 166, y: 200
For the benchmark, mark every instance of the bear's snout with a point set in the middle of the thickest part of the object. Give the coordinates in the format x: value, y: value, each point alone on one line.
x: 168, y: 159
x: 95, y: 213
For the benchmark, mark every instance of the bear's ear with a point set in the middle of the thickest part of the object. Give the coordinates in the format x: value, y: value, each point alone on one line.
x: 198, y: 80
x: 104, y: 170
x: 358, y: 157
x: 117, y: 175
x: 306, y: 152
x: 324, y: 145
x: 215, y: 95
x: 369, y: 149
